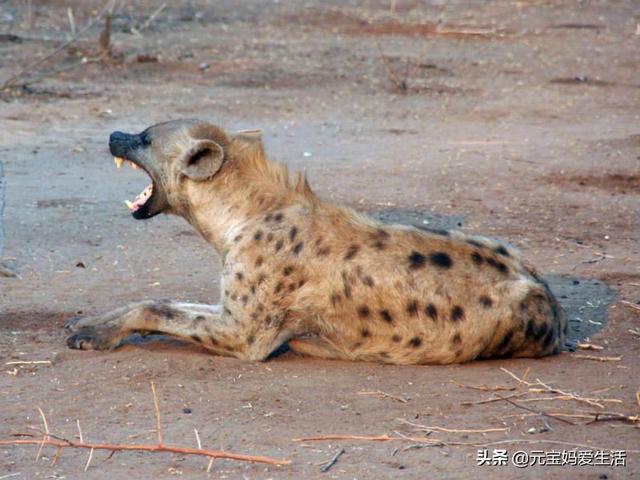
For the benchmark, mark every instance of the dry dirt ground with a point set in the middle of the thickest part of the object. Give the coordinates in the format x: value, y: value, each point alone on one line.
x: 519, y: 117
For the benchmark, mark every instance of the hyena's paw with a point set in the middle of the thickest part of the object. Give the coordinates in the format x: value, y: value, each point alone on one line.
x: 76, y: 324
x: 92, y: 338
x: 70, y: 324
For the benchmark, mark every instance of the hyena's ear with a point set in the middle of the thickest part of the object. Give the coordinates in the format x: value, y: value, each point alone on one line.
x: 202, y: 160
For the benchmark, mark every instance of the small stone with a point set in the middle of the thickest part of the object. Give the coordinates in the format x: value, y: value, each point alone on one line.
x: 532, y: 430
x: 186, y: 410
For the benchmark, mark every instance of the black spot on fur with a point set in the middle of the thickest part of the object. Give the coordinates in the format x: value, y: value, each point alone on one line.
x: 379, y: 245
x: 288, y: 270
x: 234, y: 297
x: 237, y: 238
x: 335, y: 299
x: 227, y: 312
x: 347, y: 291
x: 292, y: 287
x: 279, y: 245
x: 365, y: 333
x: 261, y: 278
x: 477, y: 258
x: 298, y: 248
x: 244, y: 299
x: 395, y: 338
x: 269, y: 236
x: 162, y: 310
x: 504, y: 343
x: 259, y: 261
x: 498, y: 265
x: 278, y: 217
x: 457, y: 313
x: 301, y: 283
x: 279, y: 287
x: 195, y: 338
x: 415, y: 342
x: 441, y: 259
x: 200, y: 318
x: 239, y: 275
x: 268, y: 217
x: 368, y: 281
x: 412, y: 308
x: 456, y: 340
x: 258, y: 235
x: 380, y: 233
x: 268, y: 319
x: 386, y: 315
x: 536, y: 333
x: 502, y: 251
x: 485, y: 301
x: 431, y: 311
x: 213, y: 340
x: 363, y: 311
x: 324, y: 251
x: 416, y: 260
x: 250, y: 339
x: 293, y: 232
x: 475, y: 243
x: 352, y: 251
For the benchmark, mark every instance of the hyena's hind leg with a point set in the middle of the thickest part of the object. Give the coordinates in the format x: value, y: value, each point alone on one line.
x: 315, y: 347
x: 206, y: 325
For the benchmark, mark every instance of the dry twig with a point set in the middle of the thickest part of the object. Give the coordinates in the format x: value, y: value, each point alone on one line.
x: 450, y: 430
x: 326, y: 467
x: 598, y: 359
x: 380, y: 393
x: 484, y: 388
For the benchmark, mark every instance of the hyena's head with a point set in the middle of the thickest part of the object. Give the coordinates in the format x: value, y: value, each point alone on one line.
x: 181, y: 157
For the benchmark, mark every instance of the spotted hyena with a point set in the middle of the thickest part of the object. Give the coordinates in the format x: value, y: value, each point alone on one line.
x: 329, y: 281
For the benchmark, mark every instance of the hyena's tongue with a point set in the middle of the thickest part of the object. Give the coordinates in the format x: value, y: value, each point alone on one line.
x: 141, y: 199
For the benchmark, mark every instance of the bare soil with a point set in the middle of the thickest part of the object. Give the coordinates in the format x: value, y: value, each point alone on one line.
x: 518, y: 119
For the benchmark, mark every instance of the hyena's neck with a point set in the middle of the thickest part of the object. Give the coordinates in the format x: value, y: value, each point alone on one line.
x: 241, y: 198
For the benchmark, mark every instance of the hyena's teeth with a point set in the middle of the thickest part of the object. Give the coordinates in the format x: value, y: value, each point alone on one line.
x: 118, y: 161
x: 134, y: 166
x: 129, y: 204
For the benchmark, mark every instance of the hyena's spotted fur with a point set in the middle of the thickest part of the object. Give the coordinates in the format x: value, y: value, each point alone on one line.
x: 331, y: 282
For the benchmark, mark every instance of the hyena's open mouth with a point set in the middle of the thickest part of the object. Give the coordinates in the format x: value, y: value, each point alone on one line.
x: 133, y: 149
x: 144, y: 196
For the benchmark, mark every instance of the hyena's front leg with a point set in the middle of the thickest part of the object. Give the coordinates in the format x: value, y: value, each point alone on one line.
x: 207, y: 325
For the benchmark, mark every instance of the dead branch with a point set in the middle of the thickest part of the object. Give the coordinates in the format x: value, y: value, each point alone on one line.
x: 614, y: 417
x: 29, y: 362
x: 157, y: 408
x: 450, y: 430
x: 484, y: 388
x: 493, y: 399
x: 117, y: 447
x: 380, y: 393
x: 327, y: 466
x: 569, y: 397
x: 589, y: 346
x: 50, y: 439
x: 533, y: 410
x: 597, y: 359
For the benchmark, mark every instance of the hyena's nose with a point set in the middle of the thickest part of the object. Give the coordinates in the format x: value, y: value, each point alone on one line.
x: 120, y: 143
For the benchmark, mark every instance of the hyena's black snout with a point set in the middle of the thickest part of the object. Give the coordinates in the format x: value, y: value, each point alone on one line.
x: 124, y: 144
